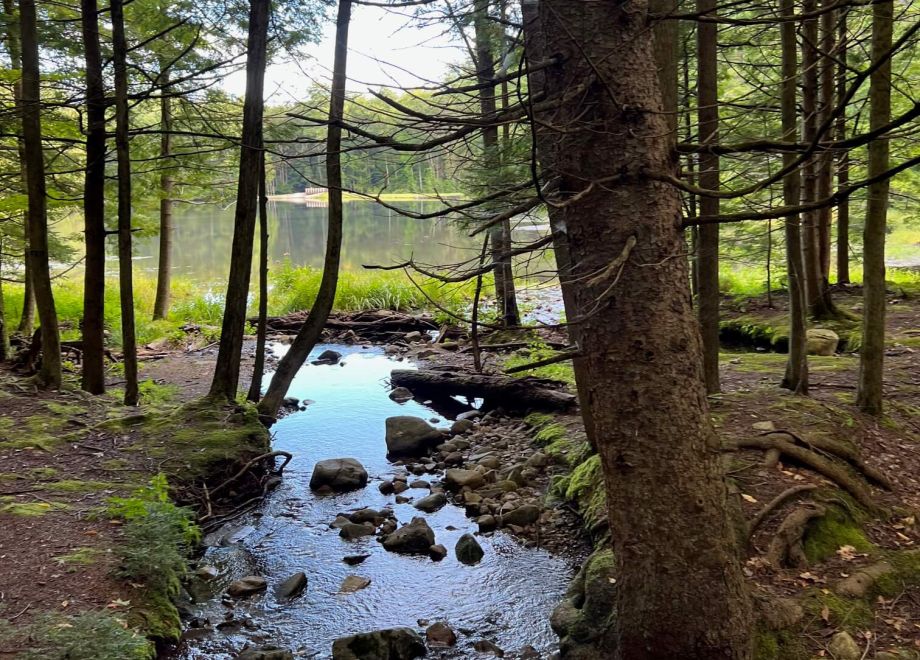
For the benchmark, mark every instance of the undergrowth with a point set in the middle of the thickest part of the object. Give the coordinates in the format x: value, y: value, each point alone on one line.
x: 87, y: 636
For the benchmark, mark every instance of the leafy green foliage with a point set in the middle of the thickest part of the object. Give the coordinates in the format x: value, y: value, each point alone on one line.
x: 88, y: 636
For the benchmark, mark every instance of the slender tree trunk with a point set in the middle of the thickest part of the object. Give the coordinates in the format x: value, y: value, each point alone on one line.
x: 164, y: 266
x: 227, y: 371
x: 680, y: 591
x: 843, y: 159
x: 708, y: 244
x: 500, y: 234
x: 255, y: 387
x: 796, y: 376
x: 4, y: 329
x: 27, y: 318
x: 312, y: 328
x: 872, y: 352
x: 123, y: 154
x: 49, y: 374
x: 826, y: 158
x: 816, y: 293
x: 93, y: 324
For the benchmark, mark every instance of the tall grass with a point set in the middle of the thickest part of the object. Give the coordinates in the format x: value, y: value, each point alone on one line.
x: 291, y: 289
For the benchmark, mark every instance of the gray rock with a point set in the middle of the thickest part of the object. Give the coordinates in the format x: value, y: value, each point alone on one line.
x: 414, y: 538
x: 461, y: 426
x: 292, y: 587
x: 390, y: 644
x: 338, y: 474
x: 410, y: 436
x: 420, y: 483
x: 206, y: 572
x: 265, y: 653
x: 469, y: 414
x: 440, y: 635
x: 485, y: 646
x: 354, y: 583
x: 821, y: 341
x: 537, y: 459
x: 491, y: 462
x: 522, y: 516
x: 351, y: 531
x: 247, y: 586
x: 437, y: 552
x: 368, y: 515
x: 354, y: 560
x: 843, y: 647
x: 328, y: 357
x: 401, y: 395
x: 431, y: 503
x: 487, y: 523
x: 456, y: 479
x: 386, y: 487
x: 468, y: 550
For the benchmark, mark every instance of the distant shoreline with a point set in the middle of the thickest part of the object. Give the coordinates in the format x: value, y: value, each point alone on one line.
x: 323, y: 197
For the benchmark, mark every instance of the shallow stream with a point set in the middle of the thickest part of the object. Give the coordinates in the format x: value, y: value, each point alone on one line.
x: 506, y: 598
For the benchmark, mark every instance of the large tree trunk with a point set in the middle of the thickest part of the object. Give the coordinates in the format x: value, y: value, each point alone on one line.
x: 312, y: 328
x: 49, y: 374
x: 27, y: 318
x: 255, y: 386
x: 872, y: 352
x: 93, y: 327
x: 227, y: 371
x: 708, y: 243
x: 843, y: 158
x: 164, y: 265
x: 499, y: 234
x: 796, y: 376
x: 680, y: 591
x: 123, y: 154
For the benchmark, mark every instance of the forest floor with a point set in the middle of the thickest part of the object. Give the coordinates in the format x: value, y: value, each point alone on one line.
x: 64, y: 455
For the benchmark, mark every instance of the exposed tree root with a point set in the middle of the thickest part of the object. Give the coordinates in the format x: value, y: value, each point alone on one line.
x: 841, y: 450
x: 826, y: 467
x: 786, y: 548
x: 775, y: 503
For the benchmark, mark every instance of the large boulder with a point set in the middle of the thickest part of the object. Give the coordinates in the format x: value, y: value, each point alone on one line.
x: 410, y: 436
x: 412, y: 539
x: 339, y: 475
x: 822, y: 341
x: 468, y: 550
x: 390, y: 644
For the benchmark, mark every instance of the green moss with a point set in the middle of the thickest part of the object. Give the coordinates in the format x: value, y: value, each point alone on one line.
x: 42, y: 472
x: 157, y: 616
x: 779, y: 645
x: 32, y: 508
x: 906, y: 573
x: 80, y: 556
x: 78, y: 486
x: 10, y: 476
x: 839, y: 527
x: 549, y: 434
x: 538, y: 420
x: 65, y: 409
x: 586, y: 488
x: 114, y: 464
x: 848, y: 613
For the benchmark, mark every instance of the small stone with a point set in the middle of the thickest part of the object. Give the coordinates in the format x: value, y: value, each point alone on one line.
x: 522, y: 516
x: 763, y: 426
x: 469, y: 414
x: 461, y: 426
x: 440, y: 635
x: 414, y: 538
x: 420, y: 483
x: 456, y: 479
x: 487, y: 523
x: 491, y: 462
x: 354, y: 560
x: 437, y: 552
x: 401, y: 395
x: 468, y: 550
x: 328, y: 357
x: 386, y: 488
x: 400, y: 499
x: 843, y: 647
x: 454, y: 458
x: 393, y: 643
x: 431, y: 503
x: 400, y: 486
x: 351, y: 531
x: 354, y: 583
x: 247, y: 586
x: 537, y: 459
x: 265, y: 653
x: 485, y: 646
x: 292, y: 587
x: 415, y: 335
x: 206, y: 573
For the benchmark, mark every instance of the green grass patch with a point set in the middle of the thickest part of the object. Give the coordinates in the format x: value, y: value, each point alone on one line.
x: 88, y: 636
x: 78, y: 486
x: 80, y: 557
x: 32, y: 509
x: 562, y: 371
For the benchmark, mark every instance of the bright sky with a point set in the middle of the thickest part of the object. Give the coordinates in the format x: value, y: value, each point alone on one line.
x: 382, y: 51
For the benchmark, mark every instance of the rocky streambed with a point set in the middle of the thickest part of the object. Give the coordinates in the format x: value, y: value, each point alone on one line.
x: 391, y: 517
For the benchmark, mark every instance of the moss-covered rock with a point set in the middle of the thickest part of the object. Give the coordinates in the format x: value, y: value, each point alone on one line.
x: 585, y: 617
x: 839, y: 527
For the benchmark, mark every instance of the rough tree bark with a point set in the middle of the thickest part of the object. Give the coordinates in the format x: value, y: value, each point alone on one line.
x: 872, y: 352
x: 499, y: 234
x: 680, y: 591
x: 93, y: 324
x: 227, y: 370
x: 312, y: 328
x: 27, y: 318
x: 255, y: 386
x: 843, y: 158
x: 708, y: 243
x: 796, y: 375
x: 825, y: 163
x: 49, y: 373
x: 123, y: 155
x: 164, y: 264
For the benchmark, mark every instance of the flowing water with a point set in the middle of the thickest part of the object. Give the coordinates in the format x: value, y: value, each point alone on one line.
x: 506, y: 598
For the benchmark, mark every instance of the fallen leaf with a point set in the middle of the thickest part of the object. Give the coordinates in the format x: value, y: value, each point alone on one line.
x: 749, y: 498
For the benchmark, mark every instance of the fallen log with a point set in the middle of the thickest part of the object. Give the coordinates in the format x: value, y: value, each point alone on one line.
x: 509, y: 393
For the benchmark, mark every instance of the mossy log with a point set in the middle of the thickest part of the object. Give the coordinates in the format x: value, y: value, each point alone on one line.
x: 509, y: 393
